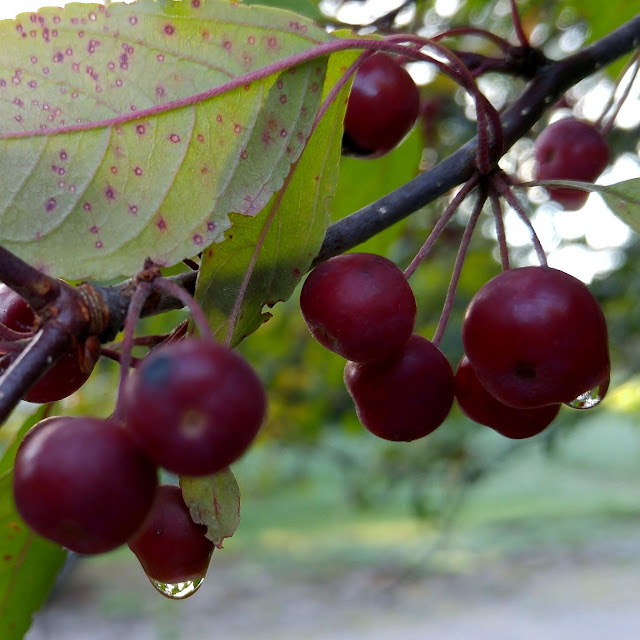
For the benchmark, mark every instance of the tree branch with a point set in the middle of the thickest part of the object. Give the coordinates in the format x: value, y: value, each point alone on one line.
x: 551, y: 82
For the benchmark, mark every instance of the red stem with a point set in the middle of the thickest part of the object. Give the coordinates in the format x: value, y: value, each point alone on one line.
x: 517, y: 25
x: 457, y: 269
x: 441, y: 224
x: 500, y: 231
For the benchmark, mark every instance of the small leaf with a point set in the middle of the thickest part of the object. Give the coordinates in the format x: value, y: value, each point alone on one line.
x: 623, y: 198
x: 28, y: 564
x: 113, y: 139
x: 215, y: 502
x: 271, y: 252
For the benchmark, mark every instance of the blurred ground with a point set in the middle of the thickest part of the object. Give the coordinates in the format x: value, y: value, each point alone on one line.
x: 547, y: 547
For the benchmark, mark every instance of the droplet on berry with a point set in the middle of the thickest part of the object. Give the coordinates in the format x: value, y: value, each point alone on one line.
x: 383, y: 106
x: 570, y: 149
x: 481, y: 407
x: 171, y: 547
x: 536, y: 336
x: 592, y: 398
x: 194, y: 406
x: 360, y: 306
x: 405, y: 397
x: 83, y: 483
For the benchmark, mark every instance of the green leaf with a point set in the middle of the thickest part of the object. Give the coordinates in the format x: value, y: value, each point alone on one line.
x: 28, y: 564
x: 273, y: 250
x: 9, y: 455
x: 215, y: 502
x: 113, y: 140
x: 623, y: 198
x: 305, y: 8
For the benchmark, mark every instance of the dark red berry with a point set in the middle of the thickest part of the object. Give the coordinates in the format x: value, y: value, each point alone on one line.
x: 570, y: 149
x: 406, y: 397
x: 83, y: 483
x: 536, y: 336
x: 171, y: 547
x: 15, y: 313
x: 383, y: 106
x: 194, y: 406
x: 479, y: 405
x: 360, y: 306
x: 67, y: 375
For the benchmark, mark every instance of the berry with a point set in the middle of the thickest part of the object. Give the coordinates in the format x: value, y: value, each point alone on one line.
x: 479, y: 405
x: 15, y: 313
x: 570, y: 149
x: 383, y: 106
x: 83, y: 483
x: 406, y: 397
x: 171, y: 547
x: 360, y: 306
x: 194, y: 406
x: 536, y: 336
x: 66, y: 376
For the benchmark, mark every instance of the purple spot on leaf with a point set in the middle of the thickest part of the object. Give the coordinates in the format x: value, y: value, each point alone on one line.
x: 227, y: 45
x: 283, y: 98
x: 251, y: 40
x: 140, y: 129
x: 137, y: 171
x: 169, y: 29
x: 93, y: 229
x: 58, y: 56
x: 219, y: 118
x: 237, y: 128
x: 272, y: 43
x: 109, y: 192
x: 161, y: 92
x: 98, y: 244
x: 87, y: 206
x: 211, y: 225
x: 174, y: 137
x: 114, y: 170
x: 200, y: 138
x: 198, y: 239
x: 160, y: 57
x: 161, y: 224
x: 195, y: 4
x: 34, y: 59
x: 51, y: 204
x: 133, y: 209
x: 133, y: 20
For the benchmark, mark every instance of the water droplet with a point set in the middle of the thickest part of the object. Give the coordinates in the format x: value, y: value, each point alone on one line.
x: 177, y: 591
x: 591, y: 398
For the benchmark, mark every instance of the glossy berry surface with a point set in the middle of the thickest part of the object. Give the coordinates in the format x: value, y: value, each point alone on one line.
x: 481, y: 407
x: 194, y: 406
x: 83, y: 483
x: 383, y: 106
x: 171, y: 547
x: 570, y: 149
x: 360, y: 306
x: 67, y: 375
x: 15, y: 313
x: 406, y: 397
x: 536, y: 336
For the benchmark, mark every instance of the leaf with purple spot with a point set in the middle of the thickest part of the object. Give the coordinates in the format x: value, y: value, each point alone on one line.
x: 115, y: 140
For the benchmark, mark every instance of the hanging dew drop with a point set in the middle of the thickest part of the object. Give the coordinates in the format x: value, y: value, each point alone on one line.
x: 590, y: 399
x: 179, y: 590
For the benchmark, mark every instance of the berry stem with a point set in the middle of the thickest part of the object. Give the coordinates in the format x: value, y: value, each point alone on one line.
x: 500, y: 230
x: 200, y: 319
x: 474, y: 31
x: 441, y: 224
x: 504, y: 189
x: 457, y: 268
x: 634, y: 65
x: 517, y: 25
x: 141, y: 293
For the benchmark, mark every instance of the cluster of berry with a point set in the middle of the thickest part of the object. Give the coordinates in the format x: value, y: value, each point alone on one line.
x: 91, y: 485
x: 525, y: 353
